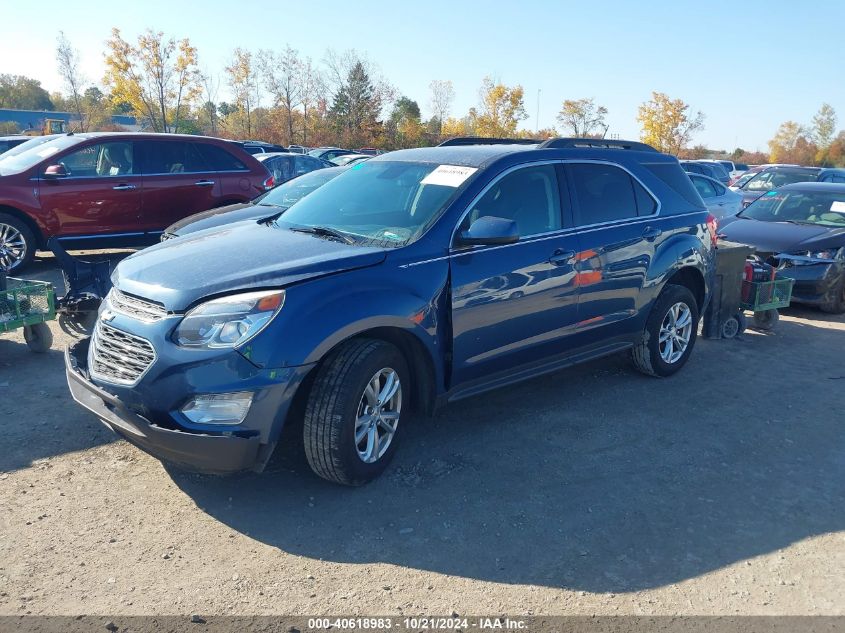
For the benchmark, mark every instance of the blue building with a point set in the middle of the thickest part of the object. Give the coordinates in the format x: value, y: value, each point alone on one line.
x: 34, y: 119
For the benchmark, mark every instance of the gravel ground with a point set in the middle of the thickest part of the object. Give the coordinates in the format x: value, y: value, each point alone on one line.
x: 594, y: 490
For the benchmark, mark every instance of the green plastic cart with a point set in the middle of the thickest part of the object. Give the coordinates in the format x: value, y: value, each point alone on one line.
x: 29, y: 305
x: 764, y: 298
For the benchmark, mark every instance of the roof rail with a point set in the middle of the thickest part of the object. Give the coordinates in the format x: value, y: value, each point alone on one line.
x: 480, y: 140
x: 602, y: 143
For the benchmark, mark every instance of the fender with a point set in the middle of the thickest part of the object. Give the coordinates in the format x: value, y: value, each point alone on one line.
x: 679, y: 250
x: 327, y: 311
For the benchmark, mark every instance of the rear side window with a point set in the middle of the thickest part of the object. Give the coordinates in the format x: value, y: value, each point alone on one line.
x: 280, y: 167
x: 674, y: 177
x: 606, y: 193
x: 704, y: 187
x: 304, y: 164
x: 220, y: 159
x: 173, y: 157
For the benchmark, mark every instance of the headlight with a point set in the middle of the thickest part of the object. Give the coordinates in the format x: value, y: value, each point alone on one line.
x: 813, y: 257
x: 229, y: 321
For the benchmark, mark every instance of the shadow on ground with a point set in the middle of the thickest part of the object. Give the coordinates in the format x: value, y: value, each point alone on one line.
x: 594, y: 478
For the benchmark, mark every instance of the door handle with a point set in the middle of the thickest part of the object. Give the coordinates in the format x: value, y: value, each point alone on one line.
x: 204, y: 183
x: 651, y: 233
x: 561, y: 257
x: 124, y: 187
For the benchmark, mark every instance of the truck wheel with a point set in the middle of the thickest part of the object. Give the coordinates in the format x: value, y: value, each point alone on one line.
x: 38, y: 337
x: 766, y: 319
x: 836, y: 304
x: 670, y: 333
x: 17, y: 243
x: 353, y: 411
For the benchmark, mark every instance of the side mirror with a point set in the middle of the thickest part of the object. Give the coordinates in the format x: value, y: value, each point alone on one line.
x: 489, y: 230
x: 55, y: 171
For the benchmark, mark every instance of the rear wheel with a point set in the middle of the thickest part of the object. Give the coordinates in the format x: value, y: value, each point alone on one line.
x: 670, y: 333
x: 353, y: 411
x: 17, y: 243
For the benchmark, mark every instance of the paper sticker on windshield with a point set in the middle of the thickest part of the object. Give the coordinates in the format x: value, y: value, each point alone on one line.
x: 838, y: 206
x: 449, y: 175
x: 47, y: 151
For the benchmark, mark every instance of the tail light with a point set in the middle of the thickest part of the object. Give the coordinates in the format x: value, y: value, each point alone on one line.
x: 713, y: 228
x: 269, y: 183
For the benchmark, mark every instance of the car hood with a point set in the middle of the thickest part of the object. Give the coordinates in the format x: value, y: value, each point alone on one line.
x: 211, y: 218
x: 783, y: 237
x: 240, y: 256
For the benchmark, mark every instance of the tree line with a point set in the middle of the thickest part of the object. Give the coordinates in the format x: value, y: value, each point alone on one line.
x: 282, y: 96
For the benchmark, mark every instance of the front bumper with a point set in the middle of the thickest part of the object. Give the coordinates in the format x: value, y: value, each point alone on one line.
x: 814, y: 283
x: 165, y: 434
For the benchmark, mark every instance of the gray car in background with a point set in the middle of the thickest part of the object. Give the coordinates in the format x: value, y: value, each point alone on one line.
x: 287, y: 165
x: 720, y: 201
x: 711, y: 170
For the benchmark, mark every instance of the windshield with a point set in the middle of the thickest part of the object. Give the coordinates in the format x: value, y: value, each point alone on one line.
x: 16, y: 162
x: 382, y: 202
x: 744, y: 179
x: 826, y: 209
x: 766, y: 180
x: 293, y: 190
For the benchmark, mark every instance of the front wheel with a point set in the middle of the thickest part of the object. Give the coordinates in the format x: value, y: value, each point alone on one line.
x: 17, y: 243
x: 353, y: 411
x: 670, y: 333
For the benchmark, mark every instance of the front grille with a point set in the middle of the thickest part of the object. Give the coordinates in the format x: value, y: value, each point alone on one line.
x: 118, y: 356
x: 135, y: 307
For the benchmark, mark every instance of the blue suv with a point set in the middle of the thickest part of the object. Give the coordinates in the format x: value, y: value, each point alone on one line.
x: 414, y: 279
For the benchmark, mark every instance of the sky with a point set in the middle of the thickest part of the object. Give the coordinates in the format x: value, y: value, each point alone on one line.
x: 747, y: 65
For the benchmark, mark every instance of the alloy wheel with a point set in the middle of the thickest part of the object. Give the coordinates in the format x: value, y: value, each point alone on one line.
x: 12, y: 247
x: 378, y: 415
x: 675, y: 333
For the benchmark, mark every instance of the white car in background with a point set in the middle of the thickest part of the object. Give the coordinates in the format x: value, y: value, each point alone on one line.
x: 734, y: 170
x: 719, y: 200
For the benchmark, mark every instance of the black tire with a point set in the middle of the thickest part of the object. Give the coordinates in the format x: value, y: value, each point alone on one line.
x: 333, y: 405
x: 30, y: 243
x: 766, y: 320
x: 646, y: 354
x: 38, y: 337
x: 836, y: 305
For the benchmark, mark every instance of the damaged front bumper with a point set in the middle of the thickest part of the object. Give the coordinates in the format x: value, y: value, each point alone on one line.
x: 815, y: 283
x: 161, y: 430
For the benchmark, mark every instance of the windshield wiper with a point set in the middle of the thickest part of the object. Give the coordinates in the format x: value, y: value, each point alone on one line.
x: 325, y: 231
x: 272, y: 218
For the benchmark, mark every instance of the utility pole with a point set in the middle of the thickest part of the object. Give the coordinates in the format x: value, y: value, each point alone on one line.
x: 537, y: 129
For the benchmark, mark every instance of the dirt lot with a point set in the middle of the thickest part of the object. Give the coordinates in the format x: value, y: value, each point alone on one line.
x: 590, y: 491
